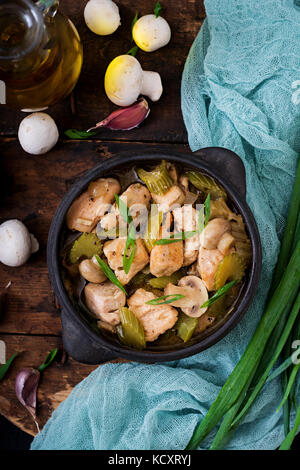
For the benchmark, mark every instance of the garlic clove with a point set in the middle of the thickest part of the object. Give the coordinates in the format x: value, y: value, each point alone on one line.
x: 26, y: 385
x: 126, y: 118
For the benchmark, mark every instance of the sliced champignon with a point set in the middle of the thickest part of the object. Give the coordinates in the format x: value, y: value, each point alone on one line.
x: 208, y: 262
x: 226, y: 243
x: 86, y: 211
x: 156, y: 319
x: 166, y: 259
x: 91, y: 271
x: 186, y: 220
x: 175, y: 196
x: 195, y: 294
x: 114, y: 250
x: 210, y: 236
x: 104, y: 300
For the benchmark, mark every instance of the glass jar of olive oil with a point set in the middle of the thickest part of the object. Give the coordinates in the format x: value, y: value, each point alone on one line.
x: 40, y: 54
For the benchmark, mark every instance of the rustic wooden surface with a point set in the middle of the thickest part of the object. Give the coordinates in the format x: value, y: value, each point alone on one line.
x: 31, y: 187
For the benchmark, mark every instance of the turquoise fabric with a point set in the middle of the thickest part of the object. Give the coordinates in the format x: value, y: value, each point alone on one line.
x: 239, y: 91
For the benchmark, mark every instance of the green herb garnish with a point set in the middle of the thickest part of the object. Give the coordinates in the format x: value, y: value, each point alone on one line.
x: 49, y: 359
x: 130, y: 242
x: 4, y: 368
x: 75, y: 134
x: 157, y: 9
x: 110, y: 274
x: 163, y: 297
x: 124, y: 209
x: 222, y: 291
x: 201, y: 219
x: 176, y: 237
x: 207, y: 209
x: 133, y: 51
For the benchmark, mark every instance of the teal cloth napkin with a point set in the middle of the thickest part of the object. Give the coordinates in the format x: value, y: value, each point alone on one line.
x: 239, y: 90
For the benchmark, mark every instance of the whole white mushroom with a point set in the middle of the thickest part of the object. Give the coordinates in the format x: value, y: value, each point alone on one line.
x: 38, y: 133
x: 151, y: 33
x: 102, y: 16
x: 125, y: 80
x: 16, y: 243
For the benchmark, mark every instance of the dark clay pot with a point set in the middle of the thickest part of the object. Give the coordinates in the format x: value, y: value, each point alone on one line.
x: 79, y: 339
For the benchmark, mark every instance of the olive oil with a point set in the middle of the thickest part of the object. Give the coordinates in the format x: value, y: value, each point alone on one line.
x: 40, y: 54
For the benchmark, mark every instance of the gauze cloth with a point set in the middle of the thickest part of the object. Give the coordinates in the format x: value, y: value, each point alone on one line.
x: 239, y: 90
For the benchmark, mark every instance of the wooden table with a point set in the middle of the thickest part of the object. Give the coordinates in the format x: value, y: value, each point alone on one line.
x: 31, y: 187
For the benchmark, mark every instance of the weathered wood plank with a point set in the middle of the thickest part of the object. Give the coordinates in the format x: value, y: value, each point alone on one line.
x: 30, y: 190
x: 55, y: 385
x: 165, y: 122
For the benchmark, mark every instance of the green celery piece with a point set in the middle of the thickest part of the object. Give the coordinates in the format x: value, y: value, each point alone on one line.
x: 132, y: 333
x: 185, y: 326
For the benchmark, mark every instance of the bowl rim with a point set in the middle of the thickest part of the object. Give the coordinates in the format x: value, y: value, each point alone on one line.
x: 100, y: 170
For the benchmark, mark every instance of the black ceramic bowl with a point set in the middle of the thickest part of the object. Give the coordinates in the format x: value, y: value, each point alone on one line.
x: 86, y: 345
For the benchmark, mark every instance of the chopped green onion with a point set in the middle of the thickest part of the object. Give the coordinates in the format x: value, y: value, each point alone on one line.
x: 124, y: 209
x: 207, y: 209
x: 130, y: 243
x: 201, y: 219
x: 222, y: 291
x: 110, y: 274
x: 173, y: 298
x: 49, y: 359
x: 175, y: 237
x: 4, y: 368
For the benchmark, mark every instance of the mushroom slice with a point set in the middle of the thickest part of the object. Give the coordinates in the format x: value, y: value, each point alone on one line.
x: 156, y: 319
x: 104, y: 300
x: 226, y: 243
x: 86, y: 211
x: 208, y: 262
x: 195, y: 294
x: 91, y: 271
x: 210, y: 236
x: 114, y: 250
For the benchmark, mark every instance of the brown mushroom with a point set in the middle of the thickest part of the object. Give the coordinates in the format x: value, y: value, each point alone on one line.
x: 210, y: 236
x: 91, y: 271
x: 195, y: 294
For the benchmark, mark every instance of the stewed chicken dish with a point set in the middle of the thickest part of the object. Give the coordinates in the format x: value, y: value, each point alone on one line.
x: 153, y: 257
